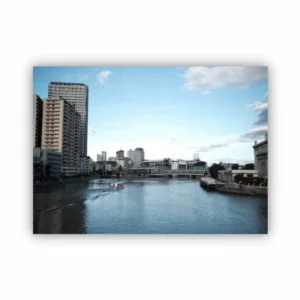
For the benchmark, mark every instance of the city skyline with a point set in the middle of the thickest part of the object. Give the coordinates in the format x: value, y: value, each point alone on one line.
x: 217, y: 112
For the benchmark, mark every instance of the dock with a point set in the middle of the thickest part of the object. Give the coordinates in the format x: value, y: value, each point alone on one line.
x: 210, y: 183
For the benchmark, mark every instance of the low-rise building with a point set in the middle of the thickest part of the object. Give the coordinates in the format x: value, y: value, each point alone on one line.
x: 48, y: 161
x: 194, y: 165
x: 162, y: 164
x: 229, y: 175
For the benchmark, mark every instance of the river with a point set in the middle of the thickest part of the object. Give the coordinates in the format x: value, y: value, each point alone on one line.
x: 145, y: 206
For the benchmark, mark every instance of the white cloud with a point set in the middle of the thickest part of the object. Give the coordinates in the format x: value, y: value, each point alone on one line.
x: 259, y: 105
x: 254, y: 134
x: 103, y: 76
x: 92, y: 130
x: 216, y: 77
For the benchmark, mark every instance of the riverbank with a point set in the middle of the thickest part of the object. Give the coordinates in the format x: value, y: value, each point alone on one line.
x: 240, y: 189
x: 50, y: 182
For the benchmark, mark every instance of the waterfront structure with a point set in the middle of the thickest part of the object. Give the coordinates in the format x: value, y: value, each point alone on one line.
x: 77, y: 95
x: 229, y: 175
x: 142, y: 152
x: 261, y: 157
x: 161, y: 164
x: 196, y: 165
x: 60, y: 132
x: 46, y: 163
x: 135, y: 156
x: 37, y: 121
x: 120, y: 154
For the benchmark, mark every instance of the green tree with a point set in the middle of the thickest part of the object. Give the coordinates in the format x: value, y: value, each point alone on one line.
x: 213, y: 170
x: 248, y: 167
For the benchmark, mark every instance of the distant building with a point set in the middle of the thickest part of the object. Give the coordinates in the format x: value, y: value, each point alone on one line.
x: 37, y: 121
x: 197, y: 165
x: 103, y: 153
x: 77, y: 95
x: 136, y: 157
x: 261, y: 157
x: 162, y: 164
x: 91, y: 167
x: 120, y: 154
x: 194, y: 165
x: 112, y: 158
x: 60, y: 132
x: 85, y: 165
x: 229, y: 175
x: 121, y: 163
x: 142, y: 152
x: 99, y: 157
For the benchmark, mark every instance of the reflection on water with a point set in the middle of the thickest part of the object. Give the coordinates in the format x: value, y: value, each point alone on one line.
x: 145, y: 206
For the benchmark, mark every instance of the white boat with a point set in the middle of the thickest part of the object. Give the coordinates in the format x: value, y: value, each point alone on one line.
x: 117, y: 185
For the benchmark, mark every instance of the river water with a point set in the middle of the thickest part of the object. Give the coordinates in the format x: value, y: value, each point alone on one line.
x: 145, y: 206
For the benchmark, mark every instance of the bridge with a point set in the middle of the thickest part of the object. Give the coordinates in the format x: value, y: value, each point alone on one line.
x: 155, y: 172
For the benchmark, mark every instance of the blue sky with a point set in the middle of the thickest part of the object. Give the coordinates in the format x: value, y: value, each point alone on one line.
x: 173, y: 112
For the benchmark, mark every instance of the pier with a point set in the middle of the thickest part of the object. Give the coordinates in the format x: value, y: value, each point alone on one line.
x: 210, y: 183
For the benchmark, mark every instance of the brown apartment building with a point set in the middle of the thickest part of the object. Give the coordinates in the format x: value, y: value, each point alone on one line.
x: 61, y: 132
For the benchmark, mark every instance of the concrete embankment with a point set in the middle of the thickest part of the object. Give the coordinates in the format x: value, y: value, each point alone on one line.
x: 243, y: 189
x: 67, y: 180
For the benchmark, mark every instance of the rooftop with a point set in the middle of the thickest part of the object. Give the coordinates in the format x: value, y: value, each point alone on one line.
x: 67, y: 83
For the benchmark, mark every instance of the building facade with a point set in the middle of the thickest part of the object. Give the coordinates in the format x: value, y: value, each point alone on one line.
x: 85, y: 165
x: 46, y: 163
x: 142, y: 152
x: 136, y: 157
x: 76, y: 94
x: 37, y: 121
x: 120, y: 154
x: 261, y: 157
x: 104, y: 158
x: 61, y: 133
x: 229, y: 175
x: 99, y: 157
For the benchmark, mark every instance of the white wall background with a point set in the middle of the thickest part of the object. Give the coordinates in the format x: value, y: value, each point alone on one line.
x: 149, y: 267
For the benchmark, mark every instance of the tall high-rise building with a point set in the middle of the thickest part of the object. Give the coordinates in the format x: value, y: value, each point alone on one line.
x: 60, y: 132
x: 99, y: 157
x: 120, y: 154
x: 77, y: 94
x: 135, y: 156
x: 37, y: 121
x: 142, y: 152
x: 103, y: 153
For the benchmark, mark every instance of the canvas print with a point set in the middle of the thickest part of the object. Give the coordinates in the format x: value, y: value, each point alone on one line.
x: 150, y: 150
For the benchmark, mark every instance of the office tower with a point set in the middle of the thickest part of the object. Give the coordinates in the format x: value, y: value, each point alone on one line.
x: 142, y: 152
x: 135, y: 156
x: 60, y: 132
x: 99, y: 157
x: 37, y: 121
x: 76, y: 94
x: 120, y: 154
x: 103, y: 153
